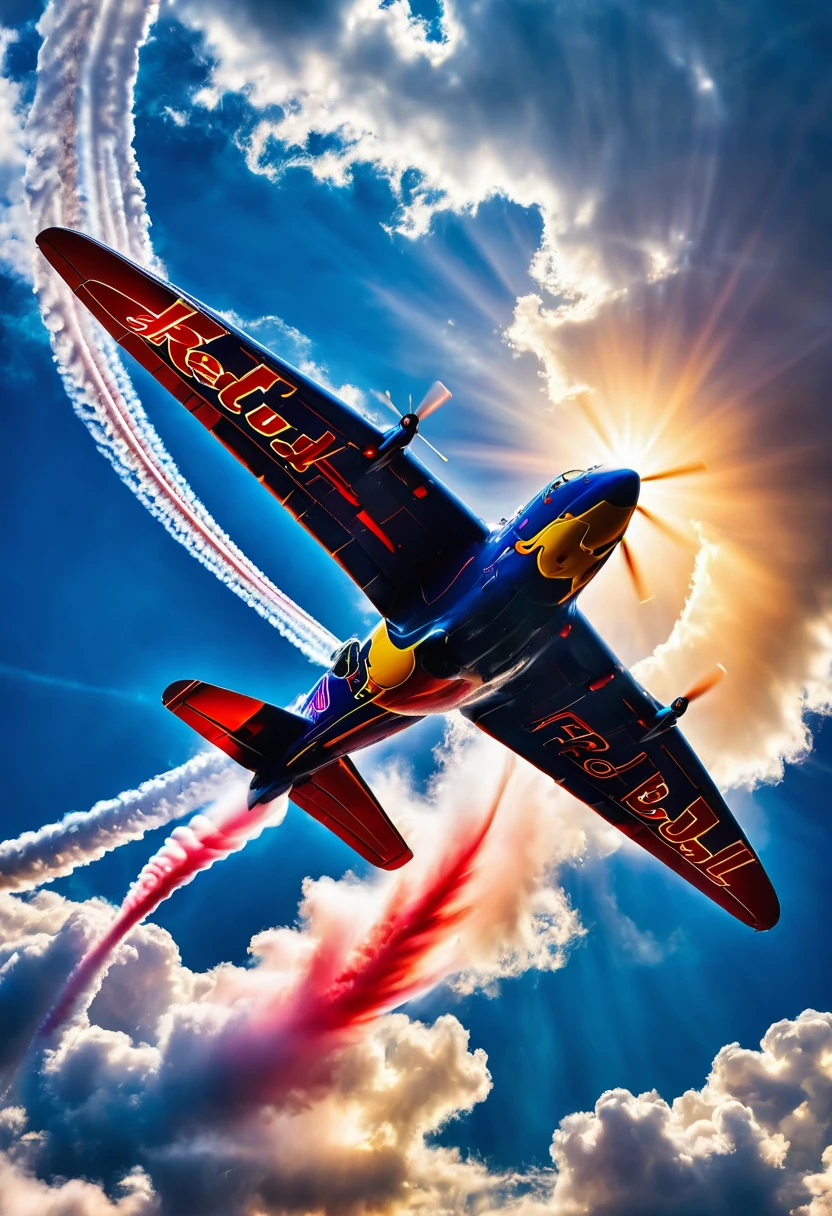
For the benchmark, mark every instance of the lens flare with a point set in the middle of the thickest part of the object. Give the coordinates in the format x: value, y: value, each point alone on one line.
x: 730, y: 549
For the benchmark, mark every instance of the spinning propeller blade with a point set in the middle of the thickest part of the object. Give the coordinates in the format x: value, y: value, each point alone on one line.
x: 674, y: 533
x: 681, y: 470
x: 432, y: 448
x: 635, y: 573
x: 436, y: 395
x: 705, y: 684
x: 388, y: 400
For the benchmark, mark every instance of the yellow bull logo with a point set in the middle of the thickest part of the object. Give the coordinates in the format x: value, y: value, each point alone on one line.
x: 571, y: 547
x: 388, y: 666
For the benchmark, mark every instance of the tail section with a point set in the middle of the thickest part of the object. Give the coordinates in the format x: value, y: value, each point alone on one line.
x: 258, y: 736
x: 253, y: 733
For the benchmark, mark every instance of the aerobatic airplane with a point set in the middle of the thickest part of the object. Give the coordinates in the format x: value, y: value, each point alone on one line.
x: 484, y: 621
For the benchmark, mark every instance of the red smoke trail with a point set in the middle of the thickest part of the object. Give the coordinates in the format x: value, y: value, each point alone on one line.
x: 206, y: 839
x: 283, y: 1039
x: 344, y: 986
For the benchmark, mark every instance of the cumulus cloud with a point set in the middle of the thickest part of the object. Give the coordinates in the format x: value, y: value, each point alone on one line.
x: 376, y: 84
x: 135, y: 1099
x: 26, y: 1195
x: 288, y: 1084
x: 747, y: 1141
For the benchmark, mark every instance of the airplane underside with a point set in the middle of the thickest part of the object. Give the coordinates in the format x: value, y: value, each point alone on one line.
x: 480, y: 619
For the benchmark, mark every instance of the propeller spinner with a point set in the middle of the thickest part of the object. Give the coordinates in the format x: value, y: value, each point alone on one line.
x: 670, y: 714
x: 408, y: 429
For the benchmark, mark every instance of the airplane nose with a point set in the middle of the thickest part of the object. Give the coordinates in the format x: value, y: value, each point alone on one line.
x: 624, y: 490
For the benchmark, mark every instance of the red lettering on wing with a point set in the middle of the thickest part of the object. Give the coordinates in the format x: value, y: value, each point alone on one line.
x: 732, y: 857
x: 601, y: 768
x: 156, y: 329
x: 644, y: 798
x: 694, y: 821
x: 266, y: 421
x: 304, y: 452
x: 204, y: 367
x: 260, y: 377
x: 573, y: 734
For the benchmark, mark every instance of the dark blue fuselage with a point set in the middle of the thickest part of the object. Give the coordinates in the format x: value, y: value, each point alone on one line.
x: 482, y: 622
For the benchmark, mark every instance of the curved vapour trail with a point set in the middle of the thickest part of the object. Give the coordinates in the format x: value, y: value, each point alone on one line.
x: 82, y: 837
x: 345, y: 985
x: 82, y: 173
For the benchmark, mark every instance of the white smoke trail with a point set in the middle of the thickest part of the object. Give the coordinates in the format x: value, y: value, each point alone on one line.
x: 82, y: 837
x: 82, y: 173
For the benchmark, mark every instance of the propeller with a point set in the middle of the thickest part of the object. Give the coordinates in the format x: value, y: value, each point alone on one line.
x: 704, y: 684
x: 435, y: 397
x: 680, y: 470
x: 635, y: 572
x: 673, y: 533
x: 669, y: 715
x: 656, y: 520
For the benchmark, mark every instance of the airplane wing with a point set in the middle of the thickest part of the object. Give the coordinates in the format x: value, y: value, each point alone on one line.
x: 579, y: 716
x: 396, y: 530
x: 339, y: 798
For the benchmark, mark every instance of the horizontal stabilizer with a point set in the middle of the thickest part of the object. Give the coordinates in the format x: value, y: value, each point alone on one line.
x: 252, y: 732
x: 339, y: 798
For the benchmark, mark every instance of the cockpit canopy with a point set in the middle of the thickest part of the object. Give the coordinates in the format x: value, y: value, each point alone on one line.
x: 563, y: 478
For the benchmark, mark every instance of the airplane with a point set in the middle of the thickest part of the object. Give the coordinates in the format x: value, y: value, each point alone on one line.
x: 476, y: 619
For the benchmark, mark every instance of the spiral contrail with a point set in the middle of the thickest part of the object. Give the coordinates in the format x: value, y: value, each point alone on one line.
x: 82, y: 173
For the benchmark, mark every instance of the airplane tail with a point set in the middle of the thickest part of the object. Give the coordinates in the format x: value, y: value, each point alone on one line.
x: 253, y: 733
x: 258, y: 735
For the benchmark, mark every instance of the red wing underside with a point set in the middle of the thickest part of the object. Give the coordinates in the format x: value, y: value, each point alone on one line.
x: 339, y: 798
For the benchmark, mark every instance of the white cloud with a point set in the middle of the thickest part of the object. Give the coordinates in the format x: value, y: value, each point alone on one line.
x: 142, y: 1106
x: 290, y: 1075
x: 450, y: 130
x: 25, y: 1195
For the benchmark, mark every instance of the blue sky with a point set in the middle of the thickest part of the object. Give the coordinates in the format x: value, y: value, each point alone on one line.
x: 104, y: 609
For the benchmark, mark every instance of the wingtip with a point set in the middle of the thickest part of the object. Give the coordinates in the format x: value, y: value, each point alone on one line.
x: 176, y: 692
x: 52, y: 236
x: 770, y: 918
x: 397, y: 862
x: 59, y: 249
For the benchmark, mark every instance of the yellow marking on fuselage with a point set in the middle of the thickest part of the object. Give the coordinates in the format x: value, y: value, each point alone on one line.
x: 388, y: 666
x: 566, y: 547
